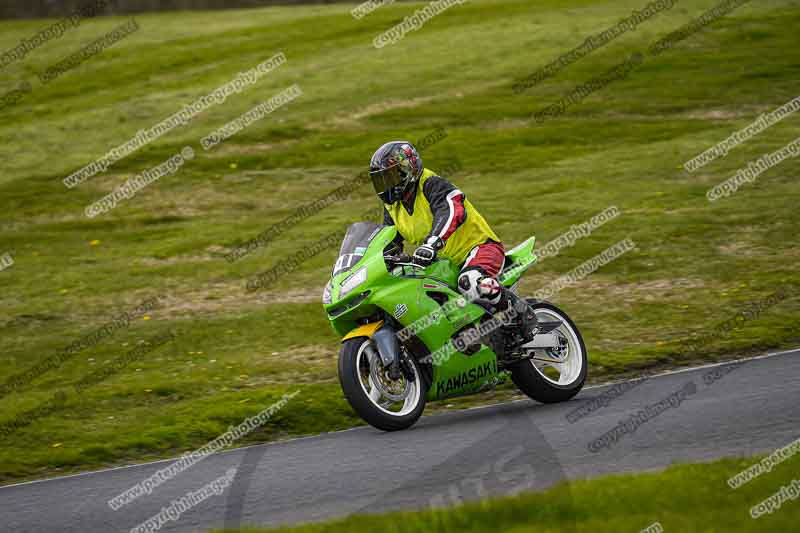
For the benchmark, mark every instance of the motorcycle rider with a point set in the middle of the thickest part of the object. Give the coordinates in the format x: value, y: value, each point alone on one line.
x: 435, y: 216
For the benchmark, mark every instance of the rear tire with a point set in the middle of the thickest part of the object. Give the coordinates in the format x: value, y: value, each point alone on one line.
x: 533, y: 381
x: 352, y: 360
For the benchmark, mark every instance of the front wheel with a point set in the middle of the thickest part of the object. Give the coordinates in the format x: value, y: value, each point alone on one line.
x: 553, y: 374
x: 385, y: 403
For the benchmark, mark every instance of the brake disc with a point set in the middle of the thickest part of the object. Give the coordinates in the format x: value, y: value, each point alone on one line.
x: 381, y: 380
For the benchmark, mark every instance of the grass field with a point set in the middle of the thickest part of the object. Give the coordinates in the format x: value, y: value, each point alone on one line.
x: 697, y: 264
x: 681, y: 498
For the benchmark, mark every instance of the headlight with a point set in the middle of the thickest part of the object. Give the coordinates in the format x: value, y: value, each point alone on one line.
x: 352, y: 282
x: 326, y: 292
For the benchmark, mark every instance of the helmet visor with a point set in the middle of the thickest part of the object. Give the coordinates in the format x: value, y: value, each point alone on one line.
x: 385, y: 179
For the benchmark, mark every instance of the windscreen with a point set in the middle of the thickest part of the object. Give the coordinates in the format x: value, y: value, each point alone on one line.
x: 354, y: 245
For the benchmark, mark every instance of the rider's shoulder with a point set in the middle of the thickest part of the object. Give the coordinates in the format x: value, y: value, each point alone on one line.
x: 433, y: 183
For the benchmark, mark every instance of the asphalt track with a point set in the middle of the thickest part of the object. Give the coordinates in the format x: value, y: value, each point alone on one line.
x: 744, y: 409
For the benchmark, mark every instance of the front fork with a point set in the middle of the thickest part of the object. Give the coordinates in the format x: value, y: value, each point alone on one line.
x: 390, y: 353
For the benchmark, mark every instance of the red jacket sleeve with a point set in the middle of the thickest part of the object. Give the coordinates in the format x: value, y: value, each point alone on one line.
x: 447, y: 206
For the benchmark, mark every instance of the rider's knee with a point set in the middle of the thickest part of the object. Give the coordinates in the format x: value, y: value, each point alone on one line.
x: 477, y: 286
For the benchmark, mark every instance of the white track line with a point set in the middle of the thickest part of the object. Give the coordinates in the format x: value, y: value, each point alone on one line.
x: 691, y: 368
x: 278, y: 443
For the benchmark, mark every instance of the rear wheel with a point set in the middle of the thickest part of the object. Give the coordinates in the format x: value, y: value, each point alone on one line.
x: 385, y: 403
x: 553, y: 374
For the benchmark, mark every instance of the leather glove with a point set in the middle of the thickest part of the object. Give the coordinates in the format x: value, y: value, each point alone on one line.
x: 426, y: 254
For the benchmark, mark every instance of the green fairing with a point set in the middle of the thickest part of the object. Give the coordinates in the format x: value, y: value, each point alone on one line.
x: 409, y: 297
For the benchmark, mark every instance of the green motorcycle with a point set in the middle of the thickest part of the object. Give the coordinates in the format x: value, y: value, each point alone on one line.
x: 409, y: 336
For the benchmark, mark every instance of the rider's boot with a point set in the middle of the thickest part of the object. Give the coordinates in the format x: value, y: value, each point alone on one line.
x: 488, y: 292
x: 523, y: 319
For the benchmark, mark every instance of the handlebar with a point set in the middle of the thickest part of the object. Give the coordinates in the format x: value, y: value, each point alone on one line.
x: 402, y: 260
x: 398, y: 258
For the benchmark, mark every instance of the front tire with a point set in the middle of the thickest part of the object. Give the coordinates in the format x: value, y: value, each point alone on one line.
x: 537, y: 377
x: 358, y: 372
